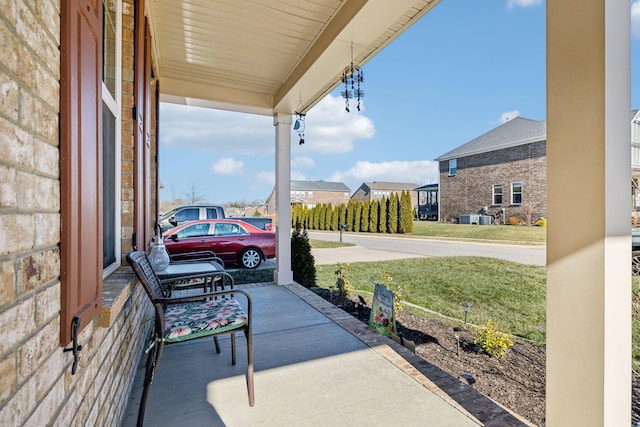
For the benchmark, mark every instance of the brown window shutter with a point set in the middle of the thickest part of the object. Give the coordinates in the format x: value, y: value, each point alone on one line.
x: 142, y: 150
x: 81, y: 162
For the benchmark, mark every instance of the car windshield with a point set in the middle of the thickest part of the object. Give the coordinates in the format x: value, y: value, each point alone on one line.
x: 168, y: 214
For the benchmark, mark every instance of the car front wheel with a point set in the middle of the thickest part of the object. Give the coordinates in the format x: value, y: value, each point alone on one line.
x: 250, y: 258
x: 635, y: 263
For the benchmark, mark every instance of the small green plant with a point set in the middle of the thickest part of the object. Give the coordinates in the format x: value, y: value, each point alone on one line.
x: 492, y: 341
x: 345, y: 288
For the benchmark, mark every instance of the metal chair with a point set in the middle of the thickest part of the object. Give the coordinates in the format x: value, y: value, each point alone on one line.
x: 217, y: 313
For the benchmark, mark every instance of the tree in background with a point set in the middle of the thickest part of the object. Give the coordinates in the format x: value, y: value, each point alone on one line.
x: 364, y: 219
x: 335, y: 218
x: 302, y: 262
x: 405, y: 213
x: 194, y: 195
x: 392, y: 214
x: 382, y: 215
x: 373, y: 216
x: 357, y: 217
x: 351, y: 210
x: 342, y: 218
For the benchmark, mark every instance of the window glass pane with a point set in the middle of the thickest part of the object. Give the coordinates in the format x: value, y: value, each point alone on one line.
x: 516, y: 193
x: 187, y: 215
x: 109, y: 186
x: 212, y: 213
x: 497, y: 194
x: 195, y: 230
x: 453, y: 166
x: 109, y: 45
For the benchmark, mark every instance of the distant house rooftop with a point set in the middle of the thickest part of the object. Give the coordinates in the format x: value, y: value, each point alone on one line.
x: 518, y: 131
x: 394, y: 186
x: 318, y: 186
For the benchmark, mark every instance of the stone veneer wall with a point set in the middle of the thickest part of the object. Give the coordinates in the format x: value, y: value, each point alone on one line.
x: 471, y: 188
x: 36, y: 385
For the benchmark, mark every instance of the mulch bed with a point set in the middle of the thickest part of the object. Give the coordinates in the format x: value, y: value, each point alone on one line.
x: 515, y: 381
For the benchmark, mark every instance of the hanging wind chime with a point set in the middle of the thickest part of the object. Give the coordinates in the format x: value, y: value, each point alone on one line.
x: 299, y: 126
x: 352, y: 76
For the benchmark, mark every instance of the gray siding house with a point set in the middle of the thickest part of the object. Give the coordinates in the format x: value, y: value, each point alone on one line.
x: 501, y: 173
x: 370, y: 191
x: 311, y: 193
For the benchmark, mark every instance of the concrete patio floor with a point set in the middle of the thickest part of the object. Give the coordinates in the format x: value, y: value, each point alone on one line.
x: 314, y: 365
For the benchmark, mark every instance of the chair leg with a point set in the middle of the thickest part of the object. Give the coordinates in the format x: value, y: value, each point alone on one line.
x: 148, y: 379
x: 250, y: 368
x: 233, y: 348
x: 215, y: 341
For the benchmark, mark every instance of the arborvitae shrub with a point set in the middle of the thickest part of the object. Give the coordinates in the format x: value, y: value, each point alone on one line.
x: 302, y: 262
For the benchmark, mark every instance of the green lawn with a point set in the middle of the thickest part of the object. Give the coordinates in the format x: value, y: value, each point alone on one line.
x: 510, y: 294
x: 503, y: 233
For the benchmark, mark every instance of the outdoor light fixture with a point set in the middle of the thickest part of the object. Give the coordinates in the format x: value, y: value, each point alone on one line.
x: 467, y: 308
x: 299, y: 126
x: 352, y: 76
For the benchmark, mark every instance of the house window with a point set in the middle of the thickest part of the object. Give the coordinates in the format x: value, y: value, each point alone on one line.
x: 346, y: 195
x: 111, y: 131
x: 496, y: 196
x: 310, y: 194
x: 453, y: 167
x: 516, y: 193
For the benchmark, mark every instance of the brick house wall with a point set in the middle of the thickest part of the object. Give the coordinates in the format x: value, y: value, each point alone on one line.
x: 471, y: 188
x: 36, y: 385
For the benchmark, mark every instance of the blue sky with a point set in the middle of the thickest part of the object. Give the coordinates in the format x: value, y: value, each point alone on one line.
x: 463, y: 69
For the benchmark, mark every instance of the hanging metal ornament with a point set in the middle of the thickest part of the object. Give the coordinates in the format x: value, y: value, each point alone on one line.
x: 299, y: 126
x: 352, y: 76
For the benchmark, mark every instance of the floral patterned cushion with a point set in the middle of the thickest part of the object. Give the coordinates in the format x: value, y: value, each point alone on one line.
x: 196, y: 319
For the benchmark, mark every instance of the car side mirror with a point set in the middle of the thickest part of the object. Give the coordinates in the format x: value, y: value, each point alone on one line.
x: 174, y: 237
x: 172, y: 220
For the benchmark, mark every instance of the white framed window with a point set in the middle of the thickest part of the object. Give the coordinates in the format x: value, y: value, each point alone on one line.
x: 516, y: 193
x: 496, y: 194
x: 346, y: 195
x: 310, y: 193
x: 453, y: 167
x: 111, y: 133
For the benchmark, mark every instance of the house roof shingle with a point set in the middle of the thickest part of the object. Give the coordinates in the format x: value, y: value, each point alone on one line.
x: 319, y: 186
x: 515, y: 132
x: 395, y: 186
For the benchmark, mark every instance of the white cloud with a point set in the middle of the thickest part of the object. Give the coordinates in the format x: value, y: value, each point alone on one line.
x: 418, y: 172
x: 228, y: 166
x: 216, y: 130
x: 508, y: 115
x: 302, y: 162
x: 298, y: 176
x: 522, y: 3
x: 331, y: 130
x: 635, y: 18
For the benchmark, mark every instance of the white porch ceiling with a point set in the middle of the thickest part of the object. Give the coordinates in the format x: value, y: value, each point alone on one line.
x: 267, y: 56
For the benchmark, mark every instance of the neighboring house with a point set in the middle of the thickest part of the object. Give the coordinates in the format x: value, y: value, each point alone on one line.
x: 502, y: 173
x: 370, y: 191
x: 312, y: 193
x: 505, y: 171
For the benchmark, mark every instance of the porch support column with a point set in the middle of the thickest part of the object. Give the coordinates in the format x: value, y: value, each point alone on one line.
x: 588, y: 236
x: 283, y: 274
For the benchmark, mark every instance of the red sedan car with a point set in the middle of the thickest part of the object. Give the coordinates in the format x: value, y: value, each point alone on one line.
x: 234, y: 241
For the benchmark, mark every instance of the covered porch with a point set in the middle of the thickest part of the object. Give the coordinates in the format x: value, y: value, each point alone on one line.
x: 314, y: 365
x: 280, y: 58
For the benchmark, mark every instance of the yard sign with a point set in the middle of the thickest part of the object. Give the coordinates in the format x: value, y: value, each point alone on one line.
x: 382, y: 318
